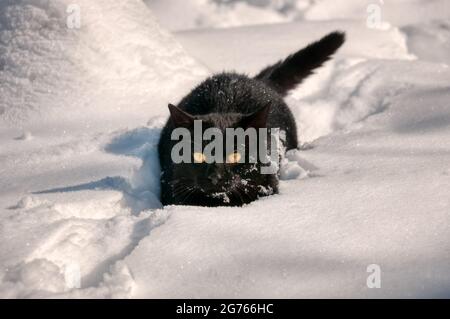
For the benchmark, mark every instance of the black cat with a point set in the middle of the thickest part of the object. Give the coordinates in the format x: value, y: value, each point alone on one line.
x: 230, y: 100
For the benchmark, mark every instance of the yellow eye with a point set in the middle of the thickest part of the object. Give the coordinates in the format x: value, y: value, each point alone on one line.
x: 199, y: 157
x: 234, y: 158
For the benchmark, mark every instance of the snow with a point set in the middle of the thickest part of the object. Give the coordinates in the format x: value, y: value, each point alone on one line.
x: 178, y: 15
x: 377, y: 193
x: 80, y: 115
x: 72, y: 184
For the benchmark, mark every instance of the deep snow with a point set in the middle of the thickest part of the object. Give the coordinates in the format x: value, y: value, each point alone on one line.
x: 80, y: 115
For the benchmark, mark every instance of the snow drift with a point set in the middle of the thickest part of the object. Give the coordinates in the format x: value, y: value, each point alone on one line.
x: 104, y: 67
x: 80, y: 116
x: 67, y: 95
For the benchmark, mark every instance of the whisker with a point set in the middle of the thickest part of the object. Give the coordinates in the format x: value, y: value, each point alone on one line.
x: 181, y: 190
x: 189, y: 194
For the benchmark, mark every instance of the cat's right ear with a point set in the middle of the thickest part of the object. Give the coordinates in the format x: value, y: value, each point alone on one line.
x: 180, y: 118
x: 257, y: 119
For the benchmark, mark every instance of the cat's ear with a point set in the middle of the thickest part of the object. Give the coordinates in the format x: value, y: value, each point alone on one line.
x: 286, y: 74
x: 180, y: 118
x: 257, y: 119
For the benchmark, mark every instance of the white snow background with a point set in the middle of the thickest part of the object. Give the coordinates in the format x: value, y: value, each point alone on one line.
x: 80, y: 114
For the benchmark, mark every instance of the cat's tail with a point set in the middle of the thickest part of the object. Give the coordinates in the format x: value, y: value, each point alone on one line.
x: 284, y: 75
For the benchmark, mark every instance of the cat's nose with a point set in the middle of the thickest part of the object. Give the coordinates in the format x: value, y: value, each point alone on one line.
x: 214, y: 178
x: 215, y: 174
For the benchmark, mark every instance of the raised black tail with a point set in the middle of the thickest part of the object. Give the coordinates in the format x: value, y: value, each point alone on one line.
x: 284, y: 75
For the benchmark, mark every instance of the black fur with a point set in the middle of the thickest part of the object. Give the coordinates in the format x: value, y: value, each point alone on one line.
x: 230, y: 100
x: 286, y: 74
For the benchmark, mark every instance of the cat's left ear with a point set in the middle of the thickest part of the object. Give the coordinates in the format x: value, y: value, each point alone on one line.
x: 180, y: 118
x: 257, y: 119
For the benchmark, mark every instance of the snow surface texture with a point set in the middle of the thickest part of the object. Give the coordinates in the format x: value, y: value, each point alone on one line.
x: 80, y: 116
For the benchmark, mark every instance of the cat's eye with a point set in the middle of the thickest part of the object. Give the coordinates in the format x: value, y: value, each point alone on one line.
x: 199, y: 158
x: 234, y: 158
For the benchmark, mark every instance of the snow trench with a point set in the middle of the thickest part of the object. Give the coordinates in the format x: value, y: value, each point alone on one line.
x: 81, y: 111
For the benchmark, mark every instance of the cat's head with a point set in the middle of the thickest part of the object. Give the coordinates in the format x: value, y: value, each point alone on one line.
x: 227, y: 171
